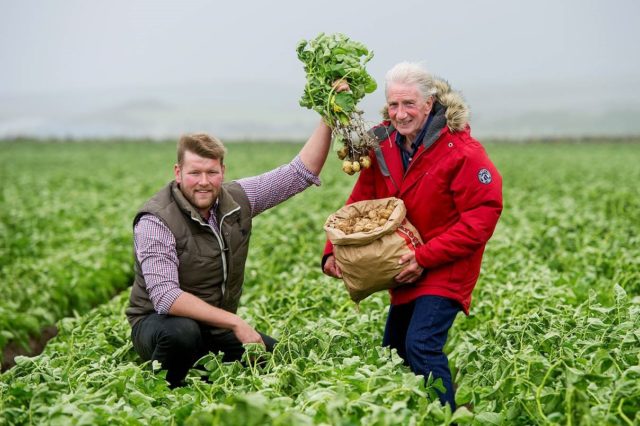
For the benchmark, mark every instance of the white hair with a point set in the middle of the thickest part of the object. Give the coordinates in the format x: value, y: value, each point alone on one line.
x: 411, y: 73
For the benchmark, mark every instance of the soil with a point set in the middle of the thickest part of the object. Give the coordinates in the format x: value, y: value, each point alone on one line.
x: 36, y: 346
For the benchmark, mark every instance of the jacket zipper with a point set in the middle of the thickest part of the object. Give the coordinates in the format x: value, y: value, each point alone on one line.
x: 413, y: 160
x: 224, y: 248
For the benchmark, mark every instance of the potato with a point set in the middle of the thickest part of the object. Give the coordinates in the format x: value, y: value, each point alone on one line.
x: 342, y: 153
x: 365, y: 162
x: 347, y: 167
x: 366, y: 221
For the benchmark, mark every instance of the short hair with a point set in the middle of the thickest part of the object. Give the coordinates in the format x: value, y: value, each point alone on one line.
x: 411, y: 73
x: 201, y: 144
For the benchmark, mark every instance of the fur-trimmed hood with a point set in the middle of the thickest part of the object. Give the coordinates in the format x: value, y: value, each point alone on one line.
x: 457, y: 111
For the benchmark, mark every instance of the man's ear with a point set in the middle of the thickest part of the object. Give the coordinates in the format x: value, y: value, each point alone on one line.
x: 176, y: 172
x: 430, y: 101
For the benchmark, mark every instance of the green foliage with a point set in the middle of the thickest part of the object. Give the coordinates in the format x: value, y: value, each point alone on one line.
x: 553, y: 336
x: 65, y: 228
x: 556, y: 364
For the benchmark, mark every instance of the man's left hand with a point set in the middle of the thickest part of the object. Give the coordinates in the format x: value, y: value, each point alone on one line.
x: 411, y: 272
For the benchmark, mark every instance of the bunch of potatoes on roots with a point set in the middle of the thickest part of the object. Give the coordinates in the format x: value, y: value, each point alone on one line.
x: 368, y: 221
x: 353, y: 160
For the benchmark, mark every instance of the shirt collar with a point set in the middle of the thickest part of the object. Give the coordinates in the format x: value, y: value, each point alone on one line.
x: 416, y: 143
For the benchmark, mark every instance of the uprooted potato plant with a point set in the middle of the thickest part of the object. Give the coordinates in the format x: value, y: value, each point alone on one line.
x: 327, y: 60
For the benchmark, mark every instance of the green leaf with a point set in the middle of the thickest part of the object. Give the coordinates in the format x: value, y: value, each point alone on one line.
x: 462, y: 415
x: 488, y: 418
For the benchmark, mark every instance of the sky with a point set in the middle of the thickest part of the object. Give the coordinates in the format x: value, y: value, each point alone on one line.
x: 136, y: 67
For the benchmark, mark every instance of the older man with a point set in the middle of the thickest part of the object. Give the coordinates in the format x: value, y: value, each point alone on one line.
x: 453, y: 195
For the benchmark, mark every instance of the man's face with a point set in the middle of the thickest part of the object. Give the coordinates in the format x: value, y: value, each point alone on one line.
x: 408, y: 110
x: 200, y: 180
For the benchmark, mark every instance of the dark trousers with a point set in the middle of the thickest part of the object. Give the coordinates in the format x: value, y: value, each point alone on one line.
x: 178, y: 342
x: 418, y: 331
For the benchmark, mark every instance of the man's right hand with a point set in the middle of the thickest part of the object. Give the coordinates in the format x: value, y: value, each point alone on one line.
x: 331, y: 267
x: 245, y: 333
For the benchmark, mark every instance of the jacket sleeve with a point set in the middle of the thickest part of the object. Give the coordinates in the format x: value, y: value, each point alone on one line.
x: 477, y: 195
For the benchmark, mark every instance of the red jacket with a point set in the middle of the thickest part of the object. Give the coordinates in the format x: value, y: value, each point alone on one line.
x: 453, y: 195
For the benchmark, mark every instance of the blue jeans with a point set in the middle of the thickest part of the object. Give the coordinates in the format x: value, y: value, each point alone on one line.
x: 178, y: 342
x: 418, y: 331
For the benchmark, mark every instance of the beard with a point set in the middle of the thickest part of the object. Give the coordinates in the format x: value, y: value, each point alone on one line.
x: 203, y: 201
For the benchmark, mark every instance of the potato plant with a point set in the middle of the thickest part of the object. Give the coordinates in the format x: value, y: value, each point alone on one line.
x: 329, y: 59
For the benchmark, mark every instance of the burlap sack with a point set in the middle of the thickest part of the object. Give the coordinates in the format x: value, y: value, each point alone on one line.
x: 369, y: 260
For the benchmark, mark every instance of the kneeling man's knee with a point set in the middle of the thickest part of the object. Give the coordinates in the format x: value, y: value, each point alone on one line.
x: 182, y: 335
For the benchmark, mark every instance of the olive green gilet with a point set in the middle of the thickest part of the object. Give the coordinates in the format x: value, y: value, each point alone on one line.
x: 211, y: 262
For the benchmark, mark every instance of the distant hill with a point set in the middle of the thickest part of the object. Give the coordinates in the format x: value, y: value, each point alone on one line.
x: 270, y: 111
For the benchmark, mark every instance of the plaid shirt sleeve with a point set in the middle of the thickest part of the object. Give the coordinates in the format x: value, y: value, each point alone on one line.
x: 155, y: 248
x: 272, y: 188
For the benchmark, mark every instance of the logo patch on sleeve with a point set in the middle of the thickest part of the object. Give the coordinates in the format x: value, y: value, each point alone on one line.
x: 484, y: 176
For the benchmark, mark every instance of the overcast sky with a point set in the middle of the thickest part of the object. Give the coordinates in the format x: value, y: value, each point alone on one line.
x: 73, y: 46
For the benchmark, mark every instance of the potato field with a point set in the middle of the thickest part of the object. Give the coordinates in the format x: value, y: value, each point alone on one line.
x: 553, y: 337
